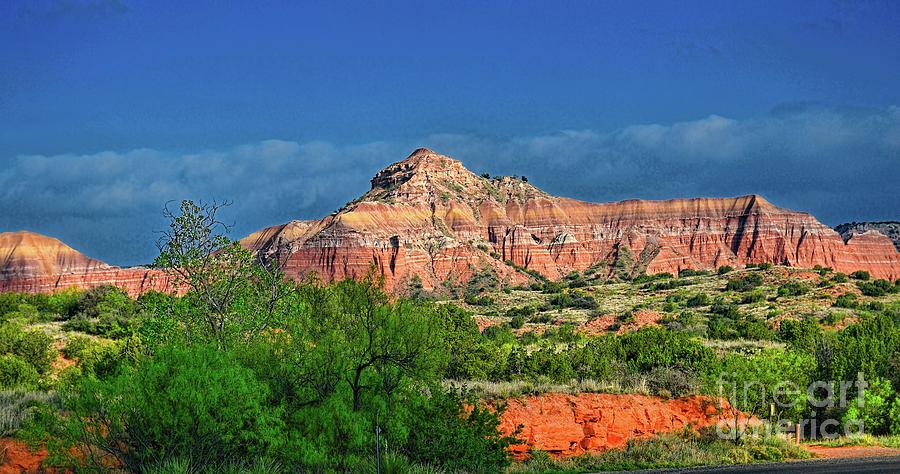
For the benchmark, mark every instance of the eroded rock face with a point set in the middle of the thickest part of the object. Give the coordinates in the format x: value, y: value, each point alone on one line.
x: 567, y: 425
x: 428, y: 216
x: 35, y: 263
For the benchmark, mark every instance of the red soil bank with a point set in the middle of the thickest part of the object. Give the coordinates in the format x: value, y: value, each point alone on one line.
x: 566, y: 425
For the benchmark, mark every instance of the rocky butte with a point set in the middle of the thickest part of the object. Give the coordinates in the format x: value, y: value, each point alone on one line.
x: 430, y: 217
x: 35, y: 263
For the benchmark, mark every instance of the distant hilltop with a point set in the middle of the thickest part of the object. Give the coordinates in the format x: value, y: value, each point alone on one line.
x: 36, y: 263
x: 891, y: 229
x: 428, y: 218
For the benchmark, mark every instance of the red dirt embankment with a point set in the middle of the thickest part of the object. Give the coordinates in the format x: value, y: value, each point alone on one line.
x: 566, y: 425
x: 16, y: 457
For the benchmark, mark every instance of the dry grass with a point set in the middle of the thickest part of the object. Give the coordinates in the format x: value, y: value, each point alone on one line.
x: 15, y: 408
x: 518, y: 388
x: 860, y: 440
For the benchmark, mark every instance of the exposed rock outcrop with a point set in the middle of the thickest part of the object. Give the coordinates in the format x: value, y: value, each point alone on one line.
x: 35, y: 263
x: 891, y: 229
x: 566, y: 425
x: 428, y: 216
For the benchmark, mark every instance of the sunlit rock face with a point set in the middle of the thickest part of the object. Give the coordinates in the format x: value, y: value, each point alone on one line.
x: 27, y: 254
x: 569, y: 425
x: 35, y: 263
x: 428, y: 216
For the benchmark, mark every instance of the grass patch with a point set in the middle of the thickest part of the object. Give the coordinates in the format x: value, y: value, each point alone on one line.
x: 680, y: 450
x: 860, y: 440
x: 519, y: 388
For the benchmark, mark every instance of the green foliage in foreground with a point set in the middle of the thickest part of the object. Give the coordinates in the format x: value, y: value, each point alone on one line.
x: 24, y: 356
x: 306, y: 393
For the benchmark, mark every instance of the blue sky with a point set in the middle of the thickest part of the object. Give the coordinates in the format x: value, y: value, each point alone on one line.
x: 110, y: 108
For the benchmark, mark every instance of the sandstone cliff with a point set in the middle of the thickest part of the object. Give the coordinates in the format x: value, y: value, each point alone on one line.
x: 428, y: 216
x: 35, y: 263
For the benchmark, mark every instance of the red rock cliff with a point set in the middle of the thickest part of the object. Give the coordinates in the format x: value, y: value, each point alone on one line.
x: 429, y: 216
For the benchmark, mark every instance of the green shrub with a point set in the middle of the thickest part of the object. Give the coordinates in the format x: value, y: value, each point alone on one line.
x: 860, y: 275
x: 687, y: 272
x: 724, y: 269
x: 517, y: 322
x: 15, y: 372
x: 745, y: 283
x: 839, y: 278
x: 754, y: 296
x: 192, y: 402
x: 575, y: 280
x: 847, y: 300
x: 33, y: 347
x: 800, y: 334
x: 574, y: 299
x: 652, y: 347
x: 479, y: 300
x: 699, y: 299
x: 482, y: 281
x: 875, y: 288
x: 447, y: 435
x: 792, y: 288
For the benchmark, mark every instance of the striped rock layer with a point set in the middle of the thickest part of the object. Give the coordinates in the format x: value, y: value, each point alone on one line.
x: 35, y: 263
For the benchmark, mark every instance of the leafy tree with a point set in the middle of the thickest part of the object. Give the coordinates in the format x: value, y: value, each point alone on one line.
x: 235, y: 293
x: 875, y: 410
